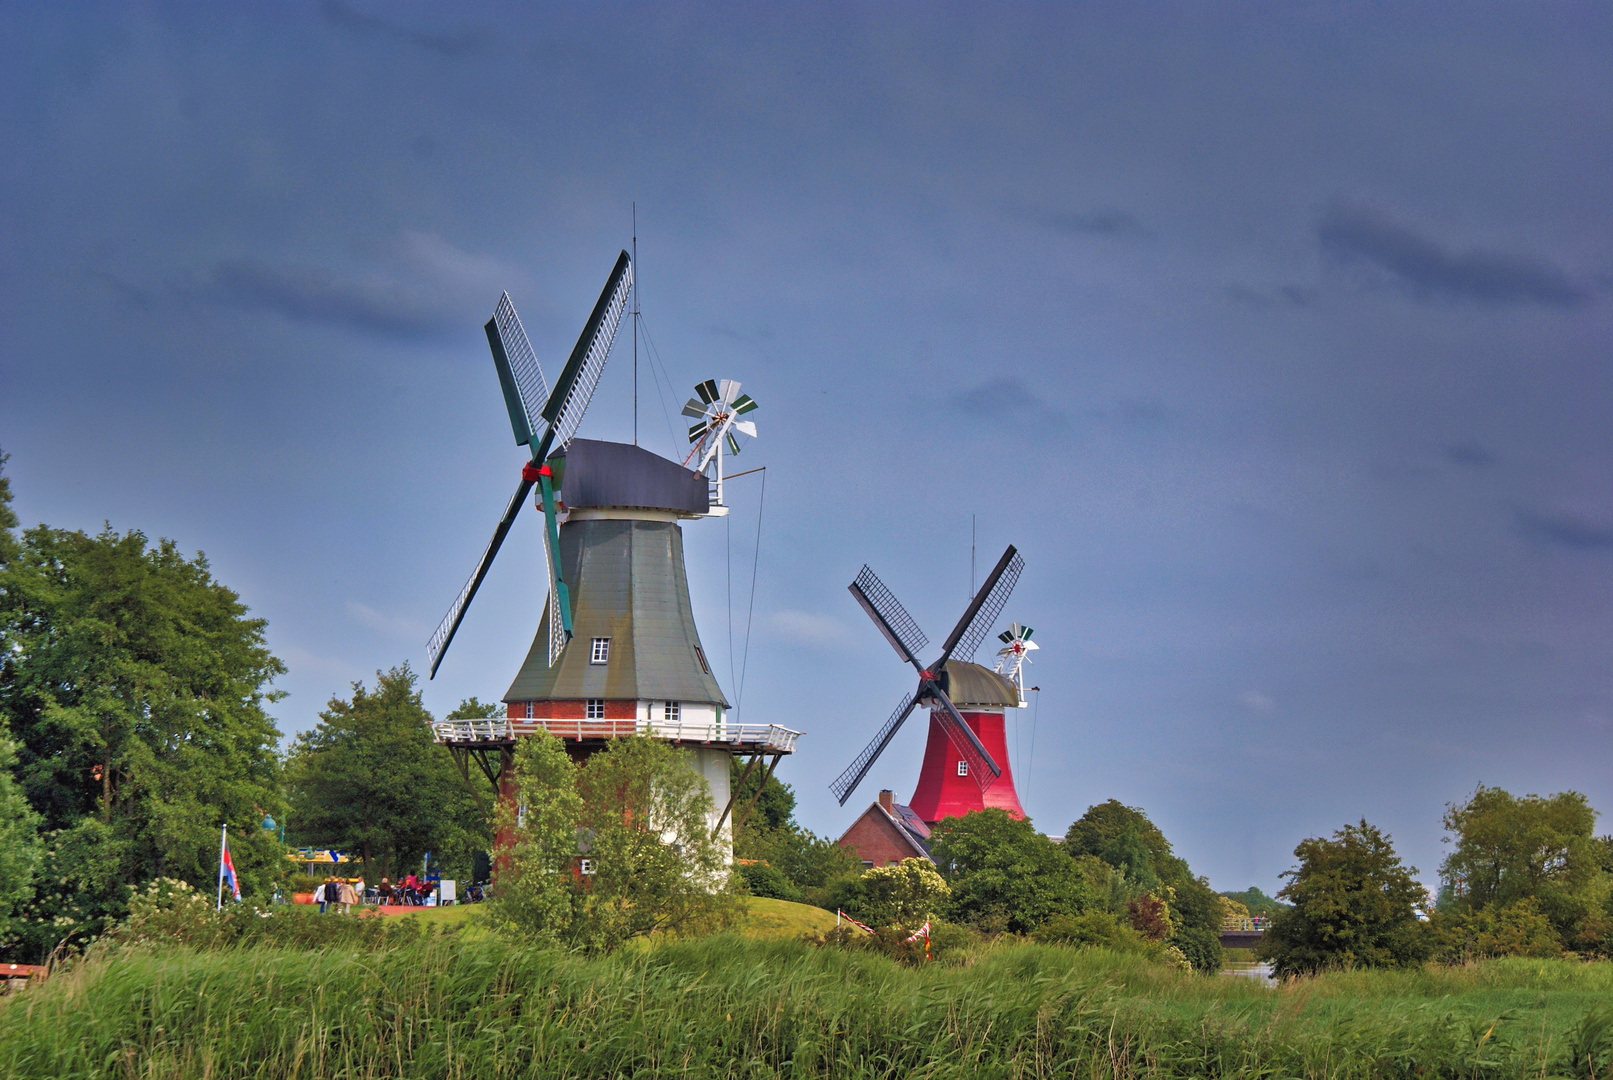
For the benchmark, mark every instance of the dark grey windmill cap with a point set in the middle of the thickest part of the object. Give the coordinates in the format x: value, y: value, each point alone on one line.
x: 608, y: 474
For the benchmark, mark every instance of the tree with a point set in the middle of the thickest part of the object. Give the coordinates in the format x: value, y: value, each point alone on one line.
x: 1123, y: 837
x: 370, y: 780
x: 903, y: 896
x: 134, y: 686
x: 1510, y: 849
x: 1255, y: 903
x: 19, y: 835
x: 637, y: 812
x: 798, y: 863
x: 1004, y: 874
x: 1354, y: 903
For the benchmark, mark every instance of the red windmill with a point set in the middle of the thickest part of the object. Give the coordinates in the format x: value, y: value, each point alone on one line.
x: 966, y: 758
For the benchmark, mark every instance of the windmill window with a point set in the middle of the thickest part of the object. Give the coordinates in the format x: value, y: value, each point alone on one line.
x: 596, y: 709
x: 586, y: 867
x: 963, y: 768
x: 672, y: 711
x: 701, y: 656
x: 601, y: 651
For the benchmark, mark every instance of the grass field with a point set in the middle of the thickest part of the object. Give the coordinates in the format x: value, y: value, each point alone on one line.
x: 728, y: 1006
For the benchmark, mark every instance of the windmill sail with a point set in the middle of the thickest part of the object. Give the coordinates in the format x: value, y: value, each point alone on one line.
x: 576, y: 386
x: 982, y: 766
x: 520, y: 375
x: 982, y: 612
x: 889, y: 615
x: 438, y: 645
x: 847, y: 781
x: 540, y: 419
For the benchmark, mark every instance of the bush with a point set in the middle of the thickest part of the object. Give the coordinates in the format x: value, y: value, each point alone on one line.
x: 1099, y: 928
x: 1519, y: 929
x: 764, y: 880
x: 1201, y: 947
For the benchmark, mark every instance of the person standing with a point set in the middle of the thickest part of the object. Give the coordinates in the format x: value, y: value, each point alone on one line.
x: 319, y: 896
x: 347, y: 895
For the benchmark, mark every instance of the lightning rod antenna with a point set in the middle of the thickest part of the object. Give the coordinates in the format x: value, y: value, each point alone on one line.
x: 971, y: 556
x: 635, y: 323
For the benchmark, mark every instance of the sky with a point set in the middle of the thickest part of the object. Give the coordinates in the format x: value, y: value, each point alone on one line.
x: 1276, y: 337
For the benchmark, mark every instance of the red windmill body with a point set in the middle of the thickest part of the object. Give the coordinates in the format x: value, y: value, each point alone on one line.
x: 945, y: 786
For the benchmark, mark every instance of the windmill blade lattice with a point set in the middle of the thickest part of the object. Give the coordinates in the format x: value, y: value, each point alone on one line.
x: 444, y: 634
x: 889, y: 615
x: 988, y: 604
x: 520, y: 376
x: 593, y: 349
x: 968, y: 745
x: 847, y: 781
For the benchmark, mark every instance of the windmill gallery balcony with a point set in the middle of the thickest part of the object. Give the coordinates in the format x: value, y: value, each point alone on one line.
x: 501, y: 730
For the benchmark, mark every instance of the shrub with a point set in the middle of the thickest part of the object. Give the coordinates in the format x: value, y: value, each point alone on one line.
x: 1092, y: 928
x: 764, y: 880
x: 1201, y: 947
x: 1518, y: 929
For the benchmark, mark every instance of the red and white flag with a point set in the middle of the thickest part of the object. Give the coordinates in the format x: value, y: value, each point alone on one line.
x: 921, y: 932
x: 864, y: 927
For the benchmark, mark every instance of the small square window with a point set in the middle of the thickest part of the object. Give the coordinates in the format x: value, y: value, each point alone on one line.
x: 601, y: 651
x: 963, y: 768
x: 671, y: 711
x: 587, y: 867
x: 596, y: 709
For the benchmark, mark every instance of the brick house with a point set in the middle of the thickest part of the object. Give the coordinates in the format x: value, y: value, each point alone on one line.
x: 887, y: 833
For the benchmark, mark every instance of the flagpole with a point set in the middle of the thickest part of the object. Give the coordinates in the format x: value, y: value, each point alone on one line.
x: 223, y: 841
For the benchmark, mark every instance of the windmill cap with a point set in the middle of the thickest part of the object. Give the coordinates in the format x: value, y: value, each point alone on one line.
x: 609, y: 474
x: 972, y: 686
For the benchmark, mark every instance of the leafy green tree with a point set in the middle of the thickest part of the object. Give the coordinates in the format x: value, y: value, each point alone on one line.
x: 1509, y: 849
x: 807, y: 863
x: 1255, y: 902
x: 1004, y: 874
x: 1516, y: 929
x: 1354, y: 903
x: 369, y: 780
x: 1123, y: 837
x: 19, y: 835
x: 134, y: 686
x: 904, y: 895
x: 638, y: 813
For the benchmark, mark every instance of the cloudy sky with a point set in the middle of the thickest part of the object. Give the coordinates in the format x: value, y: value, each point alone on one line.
x: 1277, y: 339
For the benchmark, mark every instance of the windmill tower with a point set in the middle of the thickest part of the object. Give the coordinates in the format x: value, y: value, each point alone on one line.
x: 965, y: 763
x: 616, y: 651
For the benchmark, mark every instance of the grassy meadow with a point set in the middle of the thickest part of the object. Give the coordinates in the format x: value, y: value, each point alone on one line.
x: 470, y: 1005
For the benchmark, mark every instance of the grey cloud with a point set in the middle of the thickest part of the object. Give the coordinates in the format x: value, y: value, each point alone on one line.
x: 1296, y: 295
x: 312, y: 295
x: 1470, y: 454
x: 339, y: 14
x: 997, y: 399
x: 1566, y: 530
x: 1351, y: 231
x: 1104, y: 221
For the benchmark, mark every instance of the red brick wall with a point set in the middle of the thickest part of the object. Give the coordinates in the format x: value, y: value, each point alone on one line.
x: 571, y: 710
x: 876, y: 839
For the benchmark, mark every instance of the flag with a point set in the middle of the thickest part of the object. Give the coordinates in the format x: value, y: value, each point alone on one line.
x: 226, y: 870
x: 861, y: 926
x: 921, y: 932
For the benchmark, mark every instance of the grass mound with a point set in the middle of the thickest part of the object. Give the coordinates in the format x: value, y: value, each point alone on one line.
x: 728, y: 1006
x: 768, y: 918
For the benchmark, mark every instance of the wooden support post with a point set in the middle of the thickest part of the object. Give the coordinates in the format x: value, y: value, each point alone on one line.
x: 739, y: 822
x: 734, y: 793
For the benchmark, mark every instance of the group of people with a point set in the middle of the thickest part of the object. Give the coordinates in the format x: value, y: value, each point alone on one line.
x: 409, y: 890
x: 333, y: 893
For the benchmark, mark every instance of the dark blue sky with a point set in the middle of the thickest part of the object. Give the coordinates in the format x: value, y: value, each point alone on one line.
x: 1276, y: 338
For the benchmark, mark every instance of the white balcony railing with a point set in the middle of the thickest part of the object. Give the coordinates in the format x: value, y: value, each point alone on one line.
x: 771, y: 737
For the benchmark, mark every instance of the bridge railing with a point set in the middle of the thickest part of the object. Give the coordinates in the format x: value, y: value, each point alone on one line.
x: 1239, y: 924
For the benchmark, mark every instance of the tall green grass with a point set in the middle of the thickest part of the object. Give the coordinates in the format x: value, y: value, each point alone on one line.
x: 729, y: 1007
